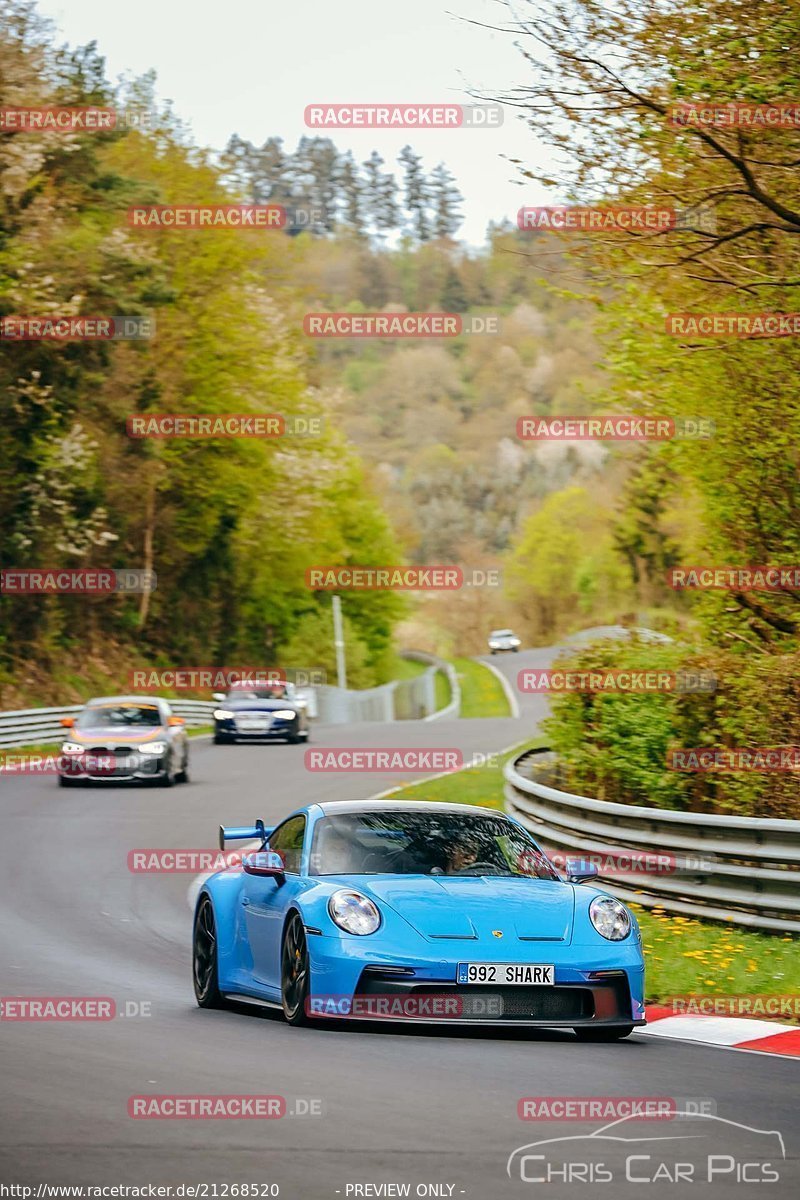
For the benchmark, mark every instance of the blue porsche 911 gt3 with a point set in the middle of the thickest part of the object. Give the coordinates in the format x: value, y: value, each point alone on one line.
x: 415, y: 911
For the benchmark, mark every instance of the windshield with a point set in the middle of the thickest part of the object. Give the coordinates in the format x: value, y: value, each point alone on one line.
x: 501, y: 633
x: 126, y: 716
x: 275, y: 692
x: 422, y: 843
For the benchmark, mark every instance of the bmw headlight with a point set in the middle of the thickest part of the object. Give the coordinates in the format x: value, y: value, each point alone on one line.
x: 610, y: 918
x: 284, y: 714
x: 353, y: 912
x: 222, y: 714
x: 153, y: 748
x: 72, y: 748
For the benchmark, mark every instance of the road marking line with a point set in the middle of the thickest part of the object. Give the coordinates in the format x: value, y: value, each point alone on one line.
x: 513, y: 702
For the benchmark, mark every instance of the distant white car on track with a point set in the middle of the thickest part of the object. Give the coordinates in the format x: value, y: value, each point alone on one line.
x: 501, y: 640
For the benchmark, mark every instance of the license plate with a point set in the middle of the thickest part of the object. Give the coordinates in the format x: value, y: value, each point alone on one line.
x: 507, y: 974
x: 253, y: 724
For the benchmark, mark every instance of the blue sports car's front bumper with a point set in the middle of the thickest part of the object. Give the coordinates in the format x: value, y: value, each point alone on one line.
x: 592, y: 986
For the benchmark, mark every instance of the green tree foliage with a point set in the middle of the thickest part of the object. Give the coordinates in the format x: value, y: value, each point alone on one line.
x: 616, y: 746
x: 229, y: 526
x: 737, y: 248
x: 564, y: 565
x: 599, y: 88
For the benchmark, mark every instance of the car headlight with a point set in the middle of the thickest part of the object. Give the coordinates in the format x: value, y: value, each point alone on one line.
x: 353, y: 912
x: 152, y: 748
x: 284, y: 714
x: 72, y: 748
x: 610, y: 918
x: 222, y: 714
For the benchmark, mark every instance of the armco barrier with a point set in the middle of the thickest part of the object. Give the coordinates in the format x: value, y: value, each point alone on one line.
x: 437, y: 664
x: 750, y: 871
x: 401, y: 700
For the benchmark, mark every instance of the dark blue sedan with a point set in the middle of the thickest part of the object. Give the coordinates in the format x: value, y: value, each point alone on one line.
x: 260, y: 714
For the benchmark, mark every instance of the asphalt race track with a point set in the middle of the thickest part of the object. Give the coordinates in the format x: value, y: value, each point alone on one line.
x: 400, y: 1105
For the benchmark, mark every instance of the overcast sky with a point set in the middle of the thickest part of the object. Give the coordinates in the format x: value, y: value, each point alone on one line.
x: 252, y: 66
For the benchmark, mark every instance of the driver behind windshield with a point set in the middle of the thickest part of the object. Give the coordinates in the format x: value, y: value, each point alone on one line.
x: 273, y: 691
x: 418, y: 843
x: 461, y: 855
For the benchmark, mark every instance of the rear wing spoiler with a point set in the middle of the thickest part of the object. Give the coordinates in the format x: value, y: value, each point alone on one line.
x: 244, y: 833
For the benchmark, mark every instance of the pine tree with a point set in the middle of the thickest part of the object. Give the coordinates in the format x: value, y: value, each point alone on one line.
x: 381, y: 193
x: 416, y: 193
x: 351, y: 195
x: 446, y: 201
x: 372, y: 189
x: 316, y: 164
x: 388, y: 216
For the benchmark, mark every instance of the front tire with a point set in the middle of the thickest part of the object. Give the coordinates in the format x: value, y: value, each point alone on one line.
x: 64, y: 782
x: 613, y: 1033
x: 295, y: 972
x: 204, y: 957
x: 168, y: 778
x: 183, y: 774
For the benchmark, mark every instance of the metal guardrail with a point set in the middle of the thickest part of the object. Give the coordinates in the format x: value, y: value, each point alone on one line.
x: 41, y: 726
x: 344, y: 706
x: 401, y: 700
x: 438, y: 664
x: 742, y: 870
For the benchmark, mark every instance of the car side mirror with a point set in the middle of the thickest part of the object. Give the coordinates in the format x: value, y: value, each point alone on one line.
x: 176, y: 721
x: 579, y: 869
x: 67, y: 722
x: 218, y: 696
x: 264, y: 862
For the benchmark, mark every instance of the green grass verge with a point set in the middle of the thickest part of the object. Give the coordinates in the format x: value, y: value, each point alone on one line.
x: 684, y: 957
x: 474, y: 785
x: 482, y: 693
x: 442, y: 691
x: 408, y: 668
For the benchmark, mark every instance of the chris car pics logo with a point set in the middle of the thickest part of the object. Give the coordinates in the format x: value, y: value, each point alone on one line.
x: 700, y: 1148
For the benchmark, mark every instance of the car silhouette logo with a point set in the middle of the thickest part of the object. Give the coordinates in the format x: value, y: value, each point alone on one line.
x: 497, y: 933
x: 699, y: 1127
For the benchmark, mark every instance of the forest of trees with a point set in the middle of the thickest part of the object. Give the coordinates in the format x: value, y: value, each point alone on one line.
x: 345, y: 196
x: 228, y: 526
